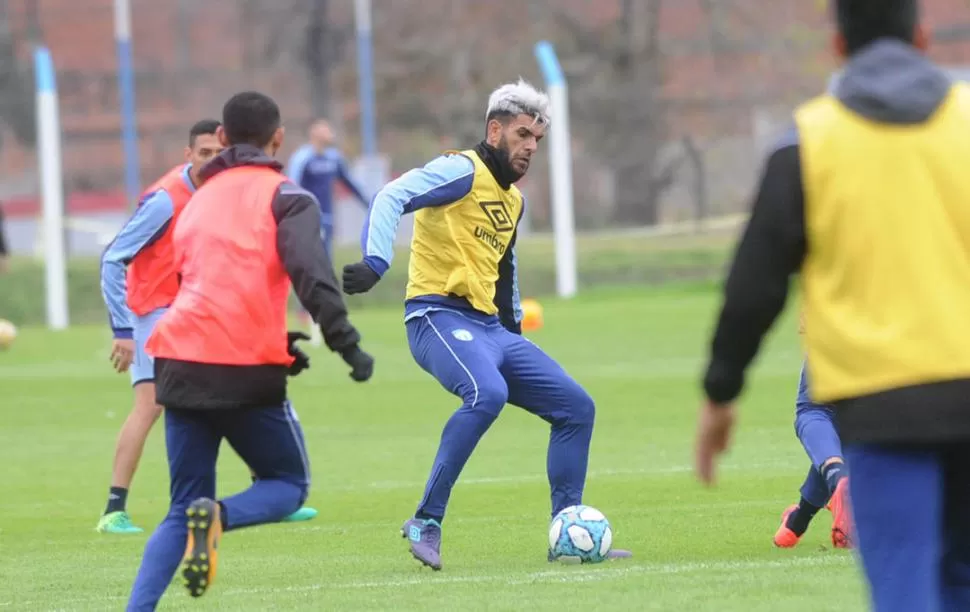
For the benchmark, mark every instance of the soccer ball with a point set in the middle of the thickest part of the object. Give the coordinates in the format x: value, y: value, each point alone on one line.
x: 580, y: 534
x: 8, y: 332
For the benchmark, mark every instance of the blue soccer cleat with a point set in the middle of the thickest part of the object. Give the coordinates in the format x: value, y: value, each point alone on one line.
x: 117, y: 522
x: 305, y: 513
x: 424, y: 538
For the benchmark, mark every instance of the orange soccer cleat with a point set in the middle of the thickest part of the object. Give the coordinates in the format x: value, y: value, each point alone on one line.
x: 841, y: 516
x: 785, y: 537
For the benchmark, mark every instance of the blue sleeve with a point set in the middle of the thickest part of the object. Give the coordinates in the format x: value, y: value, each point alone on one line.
x: 444, y: 180
x: 147, y: 225
x: 297, y: 164
x: 348, y: 180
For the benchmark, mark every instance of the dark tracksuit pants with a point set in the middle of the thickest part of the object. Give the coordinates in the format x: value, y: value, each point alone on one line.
x: 911, y: 505
x: 487, y: 366
x: 269, y: 440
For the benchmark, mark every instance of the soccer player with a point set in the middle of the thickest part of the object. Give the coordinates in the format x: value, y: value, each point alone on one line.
x: 315, y: 167
x: 222, y: 351
x: 826, y: 485
x: 142, y: 250
x: 462, y: 311
x: 867, y: 199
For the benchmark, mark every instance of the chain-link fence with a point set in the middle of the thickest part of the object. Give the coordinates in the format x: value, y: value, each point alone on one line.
x: 673, y: 102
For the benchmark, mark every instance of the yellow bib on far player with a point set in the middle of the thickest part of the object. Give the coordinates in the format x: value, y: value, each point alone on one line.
x: 886, y: 278
x: 456, y: 249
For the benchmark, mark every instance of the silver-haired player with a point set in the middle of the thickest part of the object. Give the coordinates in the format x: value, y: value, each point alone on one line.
x: 462, y: 309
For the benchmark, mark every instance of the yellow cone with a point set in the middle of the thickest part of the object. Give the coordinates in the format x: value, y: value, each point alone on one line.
x: 531, y: 315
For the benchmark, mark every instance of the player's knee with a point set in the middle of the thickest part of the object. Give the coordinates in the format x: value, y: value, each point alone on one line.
x: 145, y: 405
x: 582, y: 408
x: 490, y: 398
x: 300, y: 492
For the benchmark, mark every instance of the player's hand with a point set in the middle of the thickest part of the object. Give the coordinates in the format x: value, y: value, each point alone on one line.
x: 361, y: 364
x: 122, y: 354
x: 359, y: 278
x: 714, y: 429
x: 301, y: 361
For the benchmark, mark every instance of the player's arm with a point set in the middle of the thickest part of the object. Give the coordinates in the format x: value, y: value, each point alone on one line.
x: 444, y: 180
x: 344, y: 175
x: 771, y: 250
x: 298, y: 244
x: 147, y: 225
x: 507, y: 298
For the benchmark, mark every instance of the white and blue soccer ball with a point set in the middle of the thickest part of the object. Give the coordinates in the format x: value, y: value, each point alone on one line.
x: 580, y: 534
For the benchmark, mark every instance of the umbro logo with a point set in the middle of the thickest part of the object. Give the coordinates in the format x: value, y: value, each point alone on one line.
x: 499, y: 215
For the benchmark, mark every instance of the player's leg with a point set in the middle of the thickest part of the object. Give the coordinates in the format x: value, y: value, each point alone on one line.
x: 270, y: 440
x: 796, y: 518
x: 305, y: 513
x: 134, y: 432
x: 897, y: 500
x: 815, y: 428
x: 537, y: 383
x: 193, y: 447
x: 459, y: 354
x: 956, y: 536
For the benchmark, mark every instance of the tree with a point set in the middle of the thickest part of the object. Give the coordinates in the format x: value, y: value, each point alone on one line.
x: 319, y: 53
x: 615, y: 72
x: 16, y: 91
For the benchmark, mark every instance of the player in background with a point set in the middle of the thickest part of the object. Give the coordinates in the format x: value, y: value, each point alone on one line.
x: 316, y: 166
x: 138, y: 283
x: 223, y: 353
x: 462, y: 310
x: 826, y: 485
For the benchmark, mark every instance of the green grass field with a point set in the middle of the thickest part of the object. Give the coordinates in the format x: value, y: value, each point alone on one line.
x: 640, y: 354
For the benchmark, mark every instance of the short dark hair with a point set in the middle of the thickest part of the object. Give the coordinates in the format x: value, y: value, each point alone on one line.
x: 862, y: 22
x: 205, y: 126
x: 250, y: 118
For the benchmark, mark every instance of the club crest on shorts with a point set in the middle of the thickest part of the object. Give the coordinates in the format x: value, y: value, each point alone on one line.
x: 462, y: 334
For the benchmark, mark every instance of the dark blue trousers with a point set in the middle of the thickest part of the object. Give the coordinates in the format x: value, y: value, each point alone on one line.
x: 487, y: 366
x: 912, y: 513
x: 269, y: 440
x: 815, y: 427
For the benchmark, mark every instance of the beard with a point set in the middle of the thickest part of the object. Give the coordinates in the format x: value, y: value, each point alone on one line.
x: 505, y: 156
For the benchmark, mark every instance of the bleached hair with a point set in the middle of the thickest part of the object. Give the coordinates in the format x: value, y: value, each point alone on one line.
x: 519, y: 98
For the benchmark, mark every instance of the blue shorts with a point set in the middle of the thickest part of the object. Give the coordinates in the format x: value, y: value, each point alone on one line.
x: 143, y: 367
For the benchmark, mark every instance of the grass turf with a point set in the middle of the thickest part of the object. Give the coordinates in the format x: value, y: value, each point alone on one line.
x: 639, y: 353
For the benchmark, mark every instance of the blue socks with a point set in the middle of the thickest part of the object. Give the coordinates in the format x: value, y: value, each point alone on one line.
x: 833, y: 473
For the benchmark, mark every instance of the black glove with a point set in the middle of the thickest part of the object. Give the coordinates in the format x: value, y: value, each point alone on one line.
x: 361, y: 364
x: 301, y: 361
x: 359, y: 278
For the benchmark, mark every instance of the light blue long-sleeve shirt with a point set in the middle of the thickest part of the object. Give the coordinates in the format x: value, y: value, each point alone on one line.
x: 149, y: 222
x: 444, y: 180
x: 316, y: 172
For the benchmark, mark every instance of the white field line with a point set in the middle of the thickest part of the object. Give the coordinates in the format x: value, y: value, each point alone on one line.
x: 559, y: 575
x: 538, y: 476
